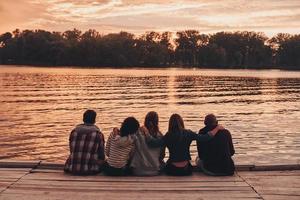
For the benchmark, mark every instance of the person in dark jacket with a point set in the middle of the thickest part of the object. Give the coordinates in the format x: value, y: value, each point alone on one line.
x: 215, y: 155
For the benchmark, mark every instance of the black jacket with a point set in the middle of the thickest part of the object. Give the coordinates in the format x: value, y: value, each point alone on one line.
x: 216, y: 153
x: 178, y: 144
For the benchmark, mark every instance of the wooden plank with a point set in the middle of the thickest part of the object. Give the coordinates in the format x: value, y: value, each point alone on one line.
x: 263, y: 167
x: 37, y: 170
x: 278, y: 191
x: 270, y: 173
x: 8, y: 179
x: 12, y: 174
x: 7, y: 173
x: 244, y: 167
x: 132, y: 196
x: 129, y: 193
x: 280, y: 197
x: 130, y: 183
x: 276, y: 167
x: 5, y: 184
x: 15, y: 169
x: 162, y: 178
x: 48, y: 165
x: 216, y: 192
x: 127, y: 188
x: 131, y: 180
x: 275, y: 183
x: 18, y: 164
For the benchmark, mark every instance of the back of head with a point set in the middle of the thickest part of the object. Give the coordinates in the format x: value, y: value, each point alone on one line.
x: 151, y: 123
x: 176, y: 124
x: 129, y: 126
x: 89, y: 117
x: 210, y: 120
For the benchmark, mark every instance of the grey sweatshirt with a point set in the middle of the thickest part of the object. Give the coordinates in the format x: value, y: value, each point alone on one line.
x: 145, y: 160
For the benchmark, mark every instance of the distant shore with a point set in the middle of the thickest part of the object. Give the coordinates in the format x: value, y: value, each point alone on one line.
x: 155, y: 67
x: 187, y: 49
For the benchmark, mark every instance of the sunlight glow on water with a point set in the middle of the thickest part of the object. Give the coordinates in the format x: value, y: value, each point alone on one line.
x: 40, y: 106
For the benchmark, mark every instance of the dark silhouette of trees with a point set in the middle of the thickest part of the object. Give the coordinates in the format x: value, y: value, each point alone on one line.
x: 242, y: 49
x: 188, y: 48
x: 188, y: 44
x: 154, y: 49
x: 287, y: 50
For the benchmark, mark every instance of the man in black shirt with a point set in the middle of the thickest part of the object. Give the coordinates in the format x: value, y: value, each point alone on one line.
x: 215, y: 155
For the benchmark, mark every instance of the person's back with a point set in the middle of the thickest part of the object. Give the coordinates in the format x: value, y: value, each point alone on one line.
x: 146, y: 160
x: 119, y: 148
x: 215, y: 155
x: 86, y: 144
x: 179, y: 145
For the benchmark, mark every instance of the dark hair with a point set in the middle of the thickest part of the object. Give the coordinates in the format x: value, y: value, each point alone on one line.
x: 129, y: 126
x: 176, y: 124
x: 210, y: 120
x: 89, y: 116
x: 151, y: 123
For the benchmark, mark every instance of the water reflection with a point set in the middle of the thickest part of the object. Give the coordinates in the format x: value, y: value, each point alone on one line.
x: 40, y: 106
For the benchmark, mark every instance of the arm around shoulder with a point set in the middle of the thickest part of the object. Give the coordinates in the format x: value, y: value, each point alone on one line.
x: 126, y: 140
x: 154, y: 142
x: 199, y: 137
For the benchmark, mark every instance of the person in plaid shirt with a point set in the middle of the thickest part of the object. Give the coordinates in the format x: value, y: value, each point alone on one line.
x: 86, y: 147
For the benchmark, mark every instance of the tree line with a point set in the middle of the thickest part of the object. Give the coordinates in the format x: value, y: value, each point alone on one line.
x: 188, y: 48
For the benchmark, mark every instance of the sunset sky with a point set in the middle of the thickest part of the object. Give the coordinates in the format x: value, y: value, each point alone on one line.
x: 138, y: 16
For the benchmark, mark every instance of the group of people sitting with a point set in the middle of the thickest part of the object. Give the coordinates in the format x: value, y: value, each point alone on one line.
x: 140, y: 150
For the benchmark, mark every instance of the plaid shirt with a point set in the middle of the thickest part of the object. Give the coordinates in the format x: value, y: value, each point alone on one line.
x: 86, y: 149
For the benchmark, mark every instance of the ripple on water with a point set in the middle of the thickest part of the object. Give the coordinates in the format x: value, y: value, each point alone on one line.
x: 40, y: 106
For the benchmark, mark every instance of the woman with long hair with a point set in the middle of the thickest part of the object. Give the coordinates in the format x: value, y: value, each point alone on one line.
x: 147, y: 160
x: 178, y: 140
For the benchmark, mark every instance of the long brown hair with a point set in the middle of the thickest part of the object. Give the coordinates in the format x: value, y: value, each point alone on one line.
x: 151, y: 123
x: 176, y: 124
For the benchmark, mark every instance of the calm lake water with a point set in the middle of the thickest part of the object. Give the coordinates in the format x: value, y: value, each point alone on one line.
x: 40, y: 106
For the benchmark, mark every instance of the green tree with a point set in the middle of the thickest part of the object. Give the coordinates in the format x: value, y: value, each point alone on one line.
x: 187, y: 46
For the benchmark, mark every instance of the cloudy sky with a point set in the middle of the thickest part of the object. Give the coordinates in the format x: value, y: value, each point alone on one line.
x: 138, y: 16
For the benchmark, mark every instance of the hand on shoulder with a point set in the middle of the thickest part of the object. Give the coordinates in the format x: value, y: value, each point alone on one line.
x: 216, y: 130
x: 116, y: 131
x: 220, y: 127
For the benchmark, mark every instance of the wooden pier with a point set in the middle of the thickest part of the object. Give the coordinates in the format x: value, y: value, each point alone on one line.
x: 38, y: 181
